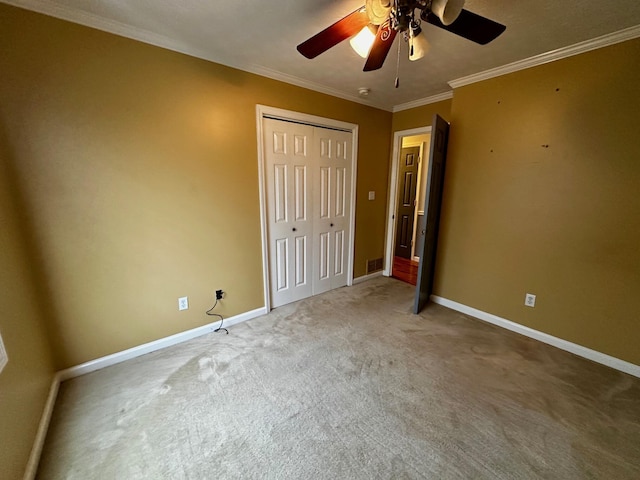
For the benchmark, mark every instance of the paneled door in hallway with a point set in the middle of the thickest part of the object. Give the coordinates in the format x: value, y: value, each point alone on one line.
x: 308, y: 180
x: 407, y: 188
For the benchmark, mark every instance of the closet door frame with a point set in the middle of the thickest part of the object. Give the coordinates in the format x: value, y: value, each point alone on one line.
x: 263, y: 111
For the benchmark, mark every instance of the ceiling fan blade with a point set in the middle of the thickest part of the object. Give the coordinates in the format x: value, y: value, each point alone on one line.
x: 333, y: 35
x: 380, y: 48
x: 471, y: 26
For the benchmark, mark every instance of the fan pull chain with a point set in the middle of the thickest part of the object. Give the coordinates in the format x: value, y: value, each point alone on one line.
x: 397, y: 83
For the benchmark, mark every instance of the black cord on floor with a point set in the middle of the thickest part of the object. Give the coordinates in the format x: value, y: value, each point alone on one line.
x: 208, y: 312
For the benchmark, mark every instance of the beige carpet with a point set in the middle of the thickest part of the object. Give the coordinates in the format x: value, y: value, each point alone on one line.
x: 350, y: 385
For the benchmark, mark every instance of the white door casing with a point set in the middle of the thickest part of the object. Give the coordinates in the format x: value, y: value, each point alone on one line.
x: 307, y: 182
x: 393, y: 188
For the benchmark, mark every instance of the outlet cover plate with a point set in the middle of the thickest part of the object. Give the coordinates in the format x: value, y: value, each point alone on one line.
x: 530, y: 300
x: 3, y: 355
x: 183, y: 303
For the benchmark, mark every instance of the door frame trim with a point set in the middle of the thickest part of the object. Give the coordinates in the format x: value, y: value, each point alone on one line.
x: 289, y: 115
x: 393, y: 190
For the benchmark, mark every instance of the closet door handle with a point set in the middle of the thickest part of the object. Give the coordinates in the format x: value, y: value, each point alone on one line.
x: 294, y: 229
x: 332, y: 224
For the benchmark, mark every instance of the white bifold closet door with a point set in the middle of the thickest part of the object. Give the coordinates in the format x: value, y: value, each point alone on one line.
x: 308, y: 181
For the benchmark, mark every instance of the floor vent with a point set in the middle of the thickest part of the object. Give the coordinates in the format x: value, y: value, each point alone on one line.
x: 374, y: 265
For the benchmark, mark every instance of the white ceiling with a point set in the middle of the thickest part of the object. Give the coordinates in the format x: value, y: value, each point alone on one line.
x: 261, y: 37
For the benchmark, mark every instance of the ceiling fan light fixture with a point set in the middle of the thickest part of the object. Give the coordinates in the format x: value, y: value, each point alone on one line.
x: 388, y: 18
x: 447, y: 10
x: 418, y: 44
x: 361, y: 43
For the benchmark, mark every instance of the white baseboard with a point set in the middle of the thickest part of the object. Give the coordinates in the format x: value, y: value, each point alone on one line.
x: 43, y: 427
x: 364, y: 278
x: 119, y: 357
x: 574, y: 348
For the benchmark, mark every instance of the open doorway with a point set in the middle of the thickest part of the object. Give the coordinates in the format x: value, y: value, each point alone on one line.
x: 407, y: 192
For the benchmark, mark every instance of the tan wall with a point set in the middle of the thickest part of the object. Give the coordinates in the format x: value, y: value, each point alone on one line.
x: 26, y: 379
x: 420, y: 116
x: 139, y: 166
x: 561, y: 222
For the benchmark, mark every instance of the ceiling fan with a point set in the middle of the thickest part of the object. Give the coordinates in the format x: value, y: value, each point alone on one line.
x: 382, y: 20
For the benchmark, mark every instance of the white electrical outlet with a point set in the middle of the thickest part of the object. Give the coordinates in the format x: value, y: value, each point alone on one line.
x: 3, y: 355
x: 530, y: 300
x: 183, y: 303
x: 372, y: 195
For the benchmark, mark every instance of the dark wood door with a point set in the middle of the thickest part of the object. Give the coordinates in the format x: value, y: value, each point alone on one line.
x: 407, y: 185
x: 435, y: 183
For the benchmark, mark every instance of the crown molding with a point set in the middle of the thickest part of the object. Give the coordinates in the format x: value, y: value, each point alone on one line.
x: 316, y: 87
x: 423, y: 101
x: 80, y: 17
x: 565, y: 52
x: 121, y: 29
x: 111, y: 26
